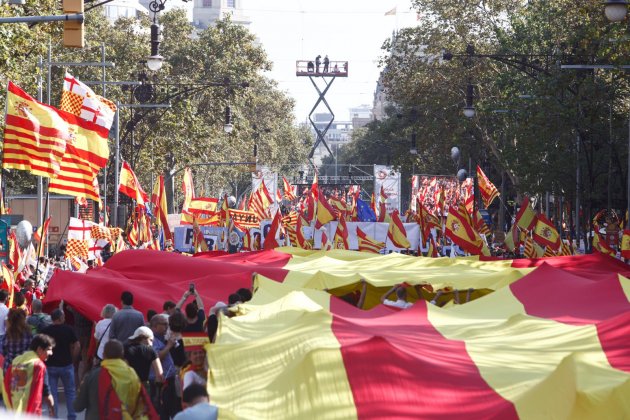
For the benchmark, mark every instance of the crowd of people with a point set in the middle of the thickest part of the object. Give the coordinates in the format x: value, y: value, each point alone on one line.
x: 152, y: 366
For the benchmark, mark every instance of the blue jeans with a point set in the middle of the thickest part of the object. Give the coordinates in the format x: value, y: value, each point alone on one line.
x: 66, y: 374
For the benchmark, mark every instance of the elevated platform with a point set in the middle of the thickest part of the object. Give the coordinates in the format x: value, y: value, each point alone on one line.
x: 309, y: 68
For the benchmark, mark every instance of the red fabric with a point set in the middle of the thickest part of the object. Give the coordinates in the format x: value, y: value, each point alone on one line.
x: 552, y: 293
x: 155, y: 276
x: 614, y: 334
x: 416, y: 366
x: 589, y: 265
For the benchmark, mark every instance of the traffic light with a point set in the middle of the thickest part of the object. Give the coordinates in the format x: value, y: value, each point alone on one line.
x: 73, y: 29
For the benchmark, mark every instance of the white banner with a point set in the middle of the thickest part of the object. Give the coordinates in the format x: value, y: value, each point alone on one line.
x: 212, y: 235
x: 375, y: 230
x: 389, y: 179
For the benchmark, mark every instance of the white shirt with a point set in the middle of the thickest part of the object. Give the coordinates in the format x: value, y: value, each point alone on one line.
x: 201, y: 411
x: 4, y: 311
x: 402, y: 304
x: 192, y: 377
x: 99, y: 330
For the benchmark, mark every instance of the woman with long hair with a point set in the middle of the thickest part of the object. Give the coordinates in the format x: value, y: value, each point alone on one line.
x: 18, y: 337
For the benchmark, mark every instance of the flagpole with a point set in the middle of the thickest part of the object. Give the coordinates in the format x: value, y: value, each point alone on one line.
x: 41, y: 238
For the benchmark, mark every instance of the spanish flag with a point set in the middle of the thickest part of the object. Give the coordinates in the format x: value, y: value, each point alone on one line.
x: 203, y: 206
x: 299, y: 234
x: 188, y: 188
x: 526, y: 217
x: 512, y: 239
x: 325, y: 212
x: 488, y: 191
x: 625, y: 244
x: 545, y: 233
x: 160, y: 209
x: 130, y: 186
x: 600, y: 245
x: 382, y: 208
x: 397, y: 232
x: 340, y: 240
x: 460, y: 230
x: 367, y: 243
x: 199, y: 242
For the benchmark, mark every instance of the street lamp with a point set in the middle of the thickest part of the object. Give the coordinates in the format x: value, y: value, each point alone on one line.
x: 469, y: 109
x: 615, y: 10
x: 227, y: 126
x: 155, y: 60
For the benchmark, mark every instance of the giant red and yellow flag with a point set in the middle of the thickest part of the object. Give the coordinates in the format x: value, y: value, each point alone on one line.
x: 526, y: 217
x: 532, y: 343
x: 397, y: 232
x: 160, y: 209
x: 460, y: 230
x: 36, y: 135
x: 545, y: 233
x: 325, y: 212
x: 487, y: 189
x: 130, y: 186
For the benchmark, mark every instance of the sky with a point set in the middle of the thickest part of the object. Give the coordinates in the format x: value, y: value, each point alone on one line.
x: 345, y: 30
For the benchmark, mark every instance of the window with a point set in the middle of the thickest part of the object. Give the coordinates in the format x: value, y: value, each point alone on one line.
x: 231, y: 3
x: 207, y: 3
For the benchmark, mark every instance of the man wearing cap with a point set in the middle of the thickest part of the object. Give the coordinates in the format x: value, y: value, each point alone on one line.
x: 60, y: 365
x: 125, y: 321
x: 113, y: 390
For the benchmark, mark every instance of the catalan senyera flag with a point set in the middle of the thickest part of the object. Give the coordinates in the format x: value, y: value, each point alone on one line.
x: 487, y: 189
x: 545, y: 233
x: 41, y: 235
x: 396, y: 231
x: 292, y: 234
x: 160, y: 208
x: 340, y: 241
x: 600, y: 245
x: 480, y: 224
x: 325, y: 213
x: 433, y: 249
x: 625, y: 244
x: 133, y: 236
x: 36, y: 135
x: 260, y: 201
x: 288, y: 190
x: 244, y: 219
x: 130, y: 186
x: 526, y: 216
x: 460, y: 230
x: 367, y: 243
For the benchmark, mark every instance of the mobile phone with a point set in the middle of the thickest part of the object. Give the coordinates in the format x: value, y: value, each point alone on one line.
x: 191, y: 288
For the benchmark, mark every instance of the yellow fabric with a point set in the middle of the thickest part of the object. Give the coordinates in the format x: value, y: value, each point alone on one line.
x: 546, y: 368
x: 126, y: 384
x: 290, y: 361
x: 22, y: 374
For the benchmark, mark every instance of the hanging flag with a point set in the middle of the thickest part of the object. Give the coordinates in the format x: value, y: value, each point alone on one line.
x: 35, y: 134
x: 367, y: 243
x: 134, y: 233
x: 271, y: 241
x: 301, y: 239
x: 600, y: 245
x: 244, y: 219
x: 487, y: 189
x: 160, y: 209
x: 382, y: 209
x: 545, y: 233
x: 309, y: 209
x: 130, y: 186
x: 79, y: 99
x: 364, y: 212
x: 288, y: 190
x: 427, y: 221
x: 459, y: 229
x: 397, y: 232
x: 315, y: 188
x: 625, y: 244
x: 526, y: 217
x: 340, y: 240
x: 325, y: 212
x: 373, y: 203
x: 41, y: 235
